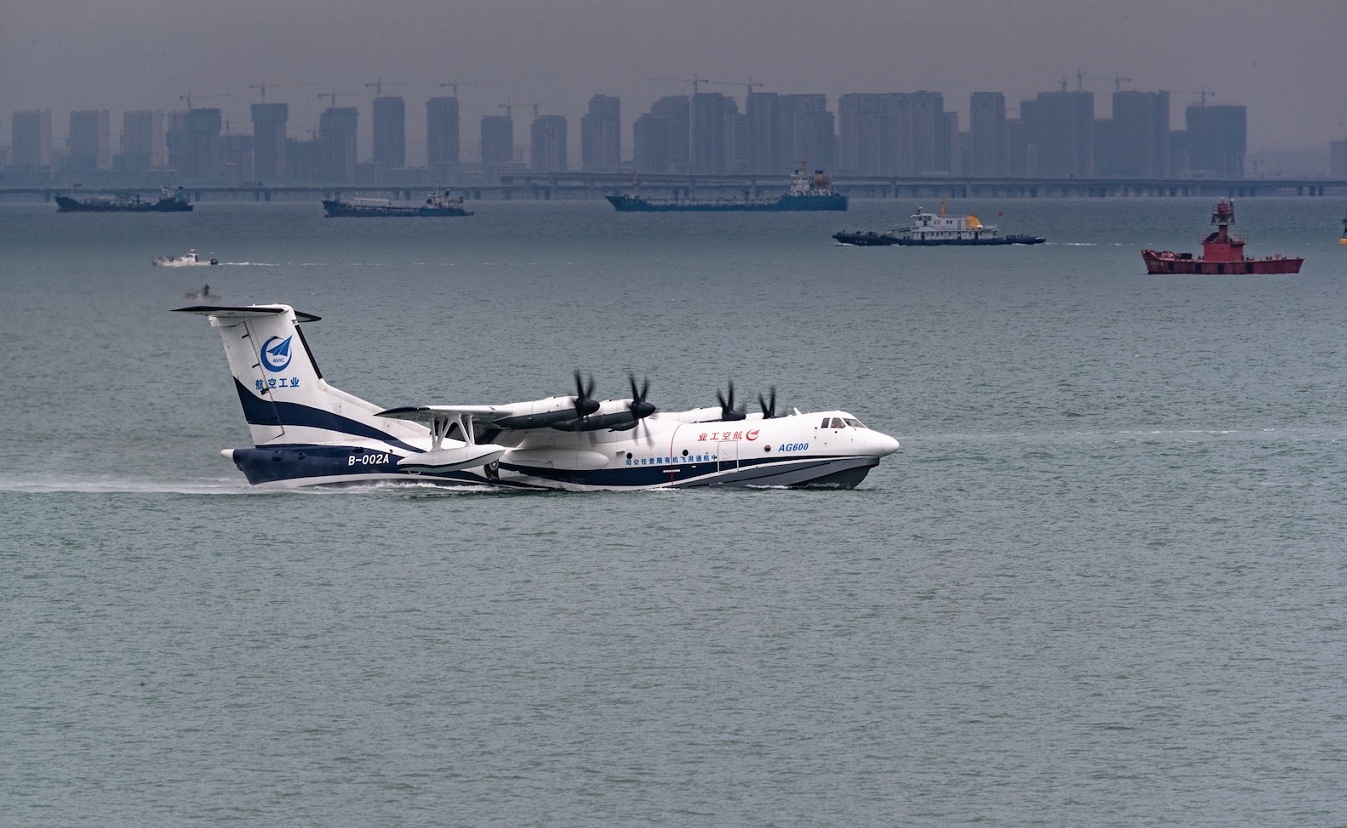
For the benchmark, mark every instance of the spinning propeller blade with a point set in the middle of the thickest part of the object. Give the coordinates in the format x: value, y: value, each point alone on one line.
x: 640, y: 409
x: 728, y: 413
x: 585, y: 404
x: 768, y: 405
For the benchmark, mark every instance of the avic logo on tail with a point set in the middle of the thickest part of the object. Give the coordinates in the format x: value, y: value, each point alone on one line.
x: 276, y: 357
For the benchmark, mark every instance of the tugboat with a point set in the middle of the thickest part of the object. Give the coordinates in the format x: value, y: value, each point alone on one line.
x: 169, y: 202
x: 1222, y: 252
x: 808, y: 192
x: 926, y: 230
x: 438, y: 204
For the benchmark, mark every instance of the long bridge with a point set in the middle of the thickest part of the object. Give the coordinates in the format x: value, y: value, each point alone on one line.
x: 589, y: 185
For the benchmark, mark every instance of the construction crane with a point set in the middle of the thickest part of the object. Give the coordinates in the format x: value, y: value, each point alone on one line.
x: 455, y: 84
x: 263, y: 86
x: 333, y: 97
x: 749, y: 84
x: 509, y: 109
x: 1118, y: 81
x: 694, y: 80
x: 1202, y: 94
x: 188, y: 98
x: 379, y: 85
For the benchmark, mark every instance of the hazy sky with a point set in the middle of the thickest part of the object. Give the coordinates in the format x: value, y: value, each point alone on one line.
x: 1284, y: 59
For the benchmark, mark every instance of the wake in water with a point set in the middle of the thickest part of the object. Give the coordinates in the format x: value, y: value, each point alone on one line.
x: 230, y: 487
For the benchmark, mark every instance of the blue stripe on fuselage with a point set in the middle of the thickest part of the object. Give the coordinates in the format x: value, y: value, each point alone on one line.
x: 280, y: 414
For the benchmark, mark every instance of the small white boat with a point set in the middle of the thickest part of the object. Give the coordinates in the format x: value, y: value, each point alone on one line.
x: 190, y: 259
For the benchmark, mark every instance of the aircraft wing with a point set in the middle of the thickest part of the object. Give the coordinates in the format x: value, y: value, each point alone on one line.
x: 561, y: 413
x: 429, y: 414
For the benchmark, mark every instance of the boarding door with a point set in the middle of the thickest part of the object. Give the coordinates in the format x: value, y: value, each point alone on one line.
x: 727, y: 455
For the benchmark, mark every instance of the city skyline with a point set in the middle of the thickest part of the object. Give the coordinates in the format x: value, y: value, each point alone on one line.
x: 121, y: 55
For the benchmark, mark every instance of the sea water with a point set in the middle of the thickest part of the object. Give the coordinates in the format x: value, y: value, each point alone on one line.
x: 1101, y: 583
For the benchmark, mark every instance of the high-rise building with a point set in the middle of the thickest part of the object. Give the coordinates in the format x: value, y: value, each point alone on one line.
x: 90, y: 144
x: 1059, y: 128
x: 390, y: 132
x: 809, y: 132
x: 783, y: 130
x: 923, y: 144
x: 336, y: 145
x: 30, y: 138
x: 497, y: 139
x: 1217, y: 140
x: 547, y: 147
x: 989, y: 150
x: 601, y: 135
x: 668, y: 128
x: 1337, y: 159
x: 237, y: 159
x: 143, y: 140
x: 1136, y: 143
x: 442, y: 139
x: 269, y: 140
x: 766, y: 132
x: 650, y: 144
x: 712, y: 133
x: 201, y: 156
x: 865, y: 134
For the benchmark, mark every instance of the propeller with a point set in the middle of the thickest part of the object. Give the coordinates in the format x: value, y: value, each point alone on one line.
x: 768, y: 405
x: 585, y: 404
x: 640, y: 409
x: 728, y: 413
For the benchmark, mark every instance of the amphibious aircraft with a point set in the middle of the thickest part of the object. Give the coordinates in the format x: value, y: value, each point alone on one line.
x: 308, y: 433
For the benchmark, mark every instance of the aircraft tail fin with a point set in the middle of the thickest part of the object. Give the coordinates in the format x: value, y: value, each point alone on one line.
x: 285, y: 399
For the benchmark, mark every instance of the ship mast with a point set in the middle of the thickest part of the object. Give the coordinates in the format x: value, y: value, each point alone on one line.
x: 1223, y: 215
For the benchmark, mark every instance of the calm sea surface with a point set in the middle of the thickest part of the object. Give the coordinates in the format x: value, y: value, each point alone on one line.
x: 1102, y: 583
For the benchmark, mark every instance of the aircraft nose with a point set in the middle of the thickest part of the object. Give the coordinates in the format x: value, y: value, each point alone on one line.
x: 885, y: 444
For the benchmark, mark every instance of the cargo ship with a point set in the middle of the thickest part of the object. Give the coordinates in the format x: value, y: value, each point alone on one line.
x: 1222, y: 253
x: 929, y: 230
x: 170, y: 201
x: 808, y: 192
x: 437, y: 205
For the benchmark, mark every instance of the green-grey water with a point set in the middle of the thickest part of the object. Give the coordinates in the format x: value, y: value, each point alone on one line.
x: 1101, y: 583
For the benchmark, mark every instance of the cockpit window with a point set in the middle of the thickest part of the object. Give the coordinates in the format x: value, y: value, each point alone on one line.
x: 854, y: 423
x: 826, y: 422
x: 837, y: 423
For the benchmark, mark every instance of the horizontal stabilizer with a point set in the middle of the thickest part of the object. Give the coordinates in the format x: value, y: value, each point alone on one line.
x: 245, y: 312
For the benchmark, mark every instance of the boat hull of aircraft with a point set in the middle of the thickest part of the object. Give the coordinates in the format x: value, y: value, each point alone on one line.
x: 308, y: 433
